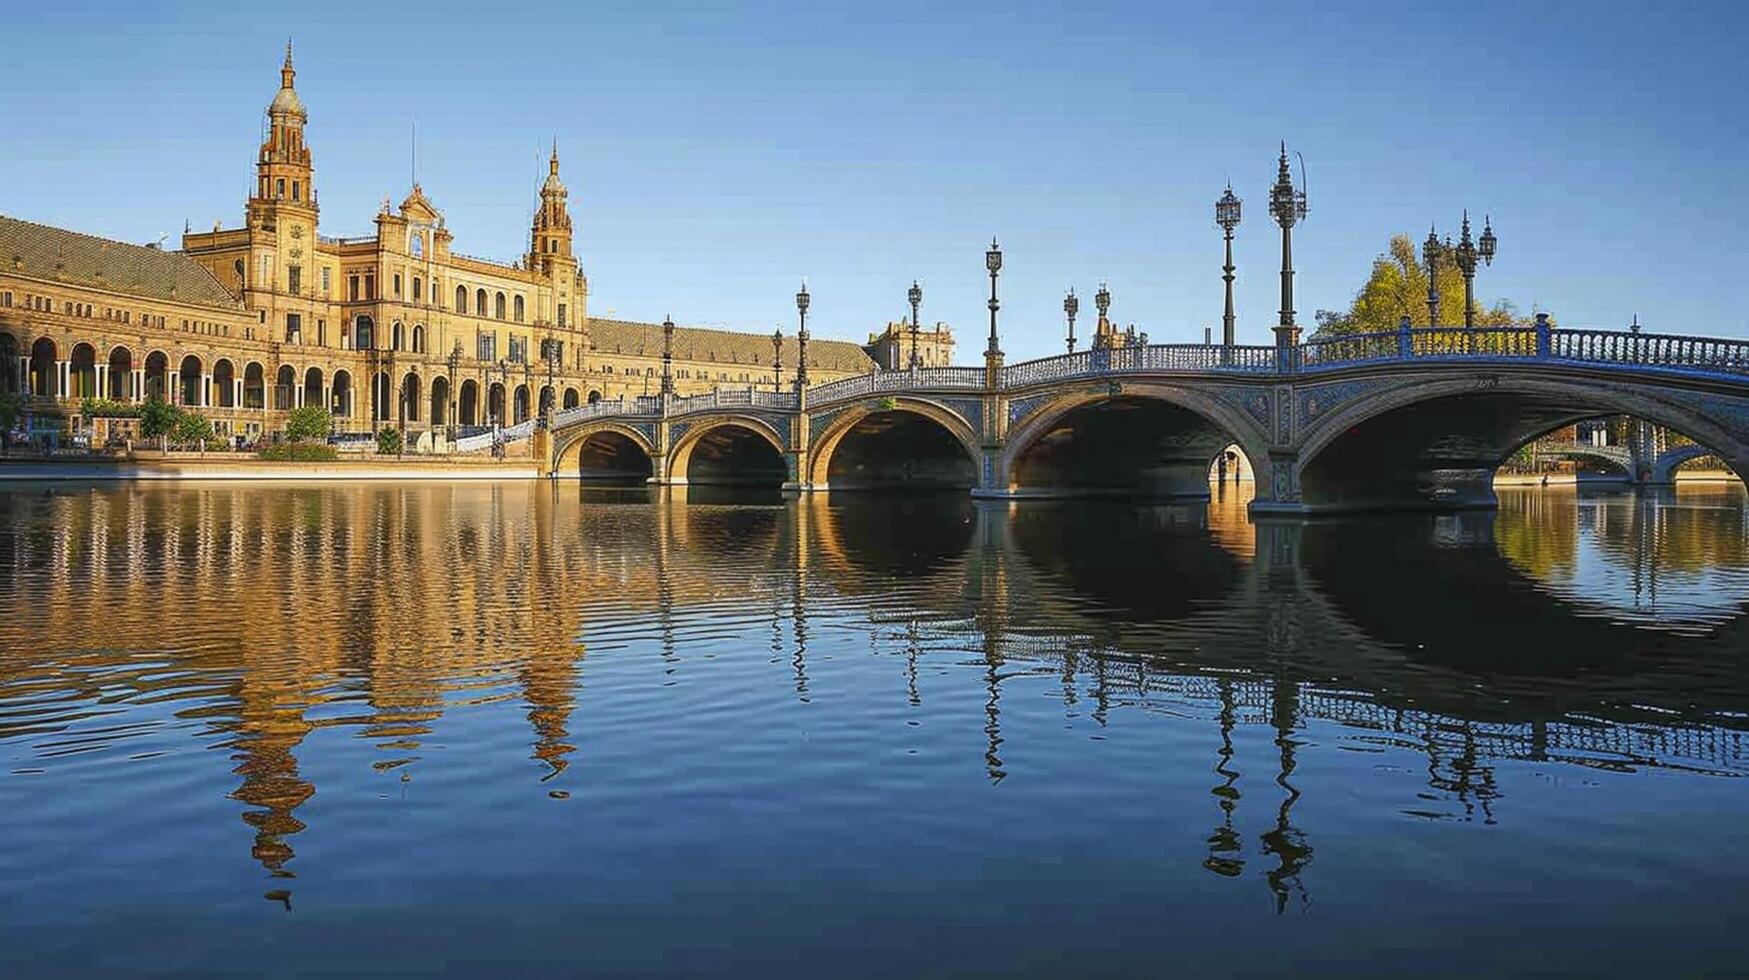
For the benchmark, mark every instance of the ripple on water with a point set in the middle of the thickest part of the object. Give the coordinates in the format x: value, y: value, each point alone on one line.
x: 829, y: 735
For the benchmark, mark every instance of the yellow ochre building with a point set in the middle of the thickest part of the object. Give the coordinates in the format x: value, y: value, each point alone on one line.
x: 394, y: 329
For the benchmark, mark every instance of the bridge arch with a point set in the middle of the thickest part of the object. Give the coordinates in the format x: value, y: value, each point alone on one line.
x: 1600, y: 455
x: 604, y: 451
x: 896, y: 442
x: 1088, y: 441
x: 731, y: 449
x: 1438, y: 441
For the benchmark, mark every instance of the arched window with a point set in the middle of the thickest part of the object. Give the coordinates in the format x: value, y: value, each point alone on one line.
x: 418, y: 338
x: 479, y: 302
x: 279, y: 187
x: 498, y: 307
x: 238, y: 268
x: 362, y: 336
x: 461, y: 299
x: 397, y: 336
x: 519, y: 309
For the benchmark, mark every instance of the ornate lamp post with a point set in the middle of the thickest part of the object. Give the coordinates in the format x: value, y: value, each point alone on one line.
x: 1227, y: 218
x: 802, y: 300
x: 777, y: 360
x: 1431, y: 254
x: 915, y: 295
x: 993, y: 262
x: 1467, y: 253
x: 1102, y: 303
x: 552, y: 358
x: 668, y: 356
x: 455, y: 358
x: 1071, y: 306
x: 1287, y: 204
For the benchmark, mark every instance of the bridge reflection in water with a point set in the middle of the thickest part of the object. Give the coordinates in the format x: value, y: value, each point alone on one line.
x: 1603, y: 633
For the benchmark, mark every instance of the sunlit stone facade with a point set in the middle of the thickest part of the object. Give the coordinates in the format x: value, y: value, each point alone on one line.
x: 396, y: 328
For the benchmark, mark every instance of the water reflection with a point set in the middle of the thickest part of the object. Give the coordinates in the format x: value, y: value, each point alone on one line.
x: 1597, y: 632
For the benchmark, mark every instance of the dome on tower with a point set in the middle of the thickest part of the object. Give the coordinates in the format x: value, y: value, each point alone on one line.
x: 286, y: 101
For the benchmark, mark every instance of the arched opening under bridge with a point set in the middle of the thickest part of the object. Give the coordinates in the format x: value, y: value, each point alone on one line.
x: 1124, y: 445
x: 729, y: 454
x: 896, y: 449
x: 608, y: 456
x: 1441, y: 446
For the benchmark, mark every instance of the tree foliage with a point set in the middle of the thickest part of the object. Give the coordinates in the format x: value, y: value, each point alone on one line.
x: 157, y: 417
x: 389, y: 442
x: 307, y: 424
x: 1398, y: 286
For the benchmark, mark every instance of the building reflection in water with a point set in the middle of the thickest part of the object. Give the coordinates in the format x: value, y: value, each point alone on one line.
x: 269, y: 615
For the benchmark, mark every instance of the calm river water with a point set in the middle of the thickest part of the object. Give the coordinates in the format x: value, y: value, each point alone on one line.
x: 431, y: 727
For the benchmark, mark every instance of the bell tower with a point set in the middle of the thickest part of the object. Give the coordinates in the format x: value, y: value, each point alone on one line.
x: 550, y: 236
x: 284, y: 179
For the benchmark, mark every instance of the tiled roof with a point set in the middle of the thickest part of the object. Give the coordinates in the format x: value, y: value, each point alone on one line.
x: 729, y: 347
x: 44, y: 252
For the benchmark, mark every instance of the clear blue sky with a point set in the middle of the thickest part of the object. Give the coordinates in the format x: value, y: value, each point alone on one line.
x: 716, y: 154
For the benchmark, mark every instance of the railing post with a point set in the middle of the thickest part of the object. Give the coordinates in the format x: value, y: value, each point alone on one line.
x: 1285, y: 348
x: 1405, y: 339
x: 1544, y: 341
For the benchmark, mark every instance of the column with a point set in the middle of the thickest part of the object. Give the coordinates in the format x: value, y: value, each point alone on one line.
x: 102, y: 380
x: 206, y: 390
x: 139, y: 393
x: 24, y: 375
x: 237, y: 392
x: 297, y: 394
x: 62, y: 370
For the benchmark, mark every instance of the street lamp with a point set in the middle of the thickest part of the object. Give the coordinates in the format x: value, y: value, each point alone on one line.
x: 1466, y: 254
x: 1071, y: 306
x: 1102, y: 303
x: 1227, y: 217
x: 1431, y: 254
x: 777, y: 360
x: 455, y: 356
x: 802, y: 300
x: 1287, y: 204
x: 993, y: 262
x: 668, y: 356
x: 915, y: 295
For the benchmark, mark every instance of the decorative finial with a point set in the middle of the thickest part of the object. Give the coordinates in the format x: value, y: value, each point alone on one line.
x: 288, y: 61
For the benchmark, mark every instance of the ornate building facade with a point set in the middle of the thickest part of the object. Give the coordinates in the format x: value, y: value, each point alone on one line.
x: 393, y: 329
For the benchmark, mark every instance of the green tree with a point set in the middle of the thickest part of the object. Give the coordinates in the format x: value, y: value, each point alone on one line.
x: 389, y: 442
x: 158, y: 418
x: 192, y: 427
x: 1398, y: 286
x: 9, y: 412
x: 307, y: 424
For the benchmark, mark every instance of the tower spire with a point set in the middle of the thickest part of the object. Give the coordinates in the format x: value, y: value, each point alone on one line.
x: 286, y: 71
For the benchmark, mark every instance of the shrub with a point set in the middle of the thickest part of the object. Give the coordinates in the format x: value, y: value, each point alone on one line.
x: 308, y: 424
x: 300, y: 452
x: 104, y: 408
x: 389, y: 442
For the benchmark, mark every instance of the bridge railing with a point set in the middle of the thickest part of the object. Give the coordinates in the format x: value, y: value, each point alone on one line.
x: 1655, y: 350
x: 1154, y: 357
x: 1547, y: 342
x: 571, y: 416
x: 919, y: 379
x: 733, y: 398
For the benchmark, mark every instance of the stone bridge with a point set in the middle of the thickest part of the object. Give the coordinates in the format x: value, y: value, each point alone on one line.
x: 1408, y: 418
